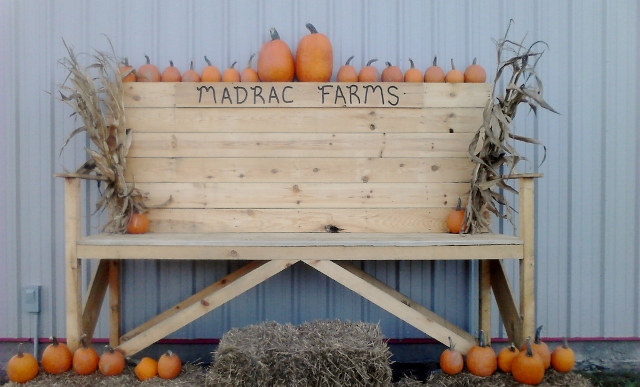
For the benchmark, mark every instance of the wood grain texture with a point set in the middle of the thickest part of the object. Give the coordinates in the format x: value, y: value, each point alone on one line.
x: 73, y: 265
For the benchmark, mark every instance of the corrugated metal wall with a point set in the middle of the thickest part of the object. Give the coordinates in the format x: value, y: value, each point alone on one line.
x: 587, y: 225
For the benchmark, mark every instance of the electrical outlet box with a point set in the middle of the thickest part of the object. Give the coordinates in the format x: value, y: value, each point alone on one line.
x: 31, y: 298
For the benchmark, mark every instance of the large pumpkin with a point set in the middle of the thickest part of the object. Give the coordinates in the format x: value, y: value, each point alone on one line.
x: 275, y: 60
x: 314, y: 57
x: 481, y: 359
x: 56, y: 358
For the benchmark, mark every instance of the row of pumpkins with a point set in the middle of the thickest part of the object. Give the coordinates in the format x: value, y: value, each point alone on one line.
x: 527, y: 365
x: 57, y: 358
x: 313, y: 63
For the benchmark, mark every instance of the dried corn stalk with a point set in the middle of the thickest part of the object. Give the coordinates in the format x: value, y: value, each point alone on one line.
x: 95, y: 93
x: 492, y: 147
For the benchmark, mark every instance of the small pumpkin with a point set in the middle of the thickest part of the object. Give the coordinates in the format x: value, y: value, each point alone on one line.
x: 541, y: 348
x: 22, y: 367
x: 138, y: 224
x: 169, y: 365
x: 528, y: 367
x: 210, y: 73
x: 111, y: 362
x: 56, y: 358
x: 451, y: 361
x: 562, y: 358
x: 231, y: 74
x: 481, y: 358
x: 455, y: 219
x: 506, y: 356
x: 391, y: 73
x: 347, y: 73
x: 475, y: 73
x: 85, y: 358
x: 191, y: 75
x: 314, y: 57
x: 275, y: 60
x: 126, y: 71
x: 434, y: 74
x: 369, y: 73
x: 454, y: 75
x: 413, y: 74
x: 147, y: 368
x: 249, y: 74
x: 148, y: 72
x: 171, y: 74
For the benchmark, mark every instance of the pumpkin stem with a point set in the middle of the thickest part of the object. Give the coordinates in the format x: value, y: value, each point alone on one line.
x: 452, y: 346
x: 20, y: 351
x: 108, y: 348
x: 274, y: 34
x: 349, y: 60
x: 411, y: 61
x: 250, y: 59
x: 453, y: 67
x: 207, y: 60
x: 55, y: 341
x: 529, y: 350
x: 459, y: 205
x: 435, y: 60
x: 170, y: 63
x: 512, y: 347
x: 233, y: 64
x: 371, y: 61
x: 565, y: 343
x: 474, y: 60
x: 169, y: 353
x: 311, y: 28
x: 126, y: 61
x: 481, y: 340
x: 148, y: 60
x: 537, y: 337
x: 191, y: 65
x: 388, y: 64
x: 82, y: 340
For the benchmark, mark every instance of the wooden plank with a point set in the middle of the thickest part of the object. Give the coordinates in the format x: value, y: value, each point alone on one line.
x: 456, y: 94
x: 305, y: 120
x: 506, y: 302
x: 193, y: 299
x: 225, y: 293
x: 300, y: 145
x: 527, y: 264
x: 114, y: 303
x: 484, y: 320
x: 394, y: 220
x: 73, y: 265
x: 149, y: 94
x: 94, y: 298
x: 394, y: 302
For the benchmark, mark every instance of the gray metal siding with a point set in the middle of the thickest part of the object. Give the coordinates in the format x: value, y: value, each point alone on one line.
x: 587, y: 221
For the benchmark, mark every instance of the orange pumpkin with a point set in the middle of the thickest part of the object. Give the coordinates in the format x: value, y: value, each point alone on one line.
x: 56, y: 358
x: 148, y: 72
x: 481, y: 359
x: 147, y: 368
x: 528, y: 367
x: 138, y: 224
x: 231, y: 74
x: 506, y: 356
x: 454, y: 75
x: 455, y: 219
x: 249, y: 74
x: 434, y: 74
x: 314, y: 57
x: 541, y: 348
x: 22, y: 367
x: 85, y: 358
x: 210, y: 73
x: 451, y: 360
x: 347, y: 73
x: 391, y: 73
x: 191, y: 75
x: 169, y: 366
x: 126, y: 71
x: 475, y: 73
x: 562, y: 358
x: 413, y: 74
x: 171, y: 74
x: 275, y: 60
x: 369, y: 73
x: 111, y: 362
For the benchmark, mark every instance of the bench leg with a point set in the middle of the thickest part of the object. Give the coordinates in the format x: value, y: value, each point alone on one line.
x: 484, y: 320
x: 73, y: 264
x: 114, y: 303
x: 527, y: 269
x: 94, y: 298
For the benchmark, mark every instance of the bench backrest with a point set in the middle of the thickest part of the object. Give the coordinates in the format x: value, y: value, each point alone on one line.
x: 301, y: 157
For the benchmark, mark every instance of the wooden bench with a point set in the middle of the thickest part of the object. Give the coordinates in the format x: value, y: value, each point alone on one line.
x: 265, y: 172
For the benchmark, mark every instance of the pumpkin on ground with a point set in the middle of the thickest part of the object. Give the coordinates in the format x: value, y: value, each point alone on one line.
x: 434, y: 74
x: 231, y: 74
x: 391, y: 73
x: 413, y: 74
x: 138, y: 224
x: 314, y: 57
x: 249, y: 74
x: 147, y: 368
x: 475, y: 73
x: 455, y: 219
x: 347, y: 73
x: 171, y: 74
x: 481, y: 358
x: 126, y: 71
x: 111, y: 362
x: 56, y: 358
x: 562, y: 358
x: 506, y: 356
x: 275, y: 60
x: 169, y: 365
x: 541, y: 348
x: 369, y: 73
x: 210, y: 73
x: 454, y: 75
x: 22, y: 367
x: 148, y: 72
x: 528, y: 367
x: 191, y: 75
x: 451, y: 361
x: 85, y: 358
